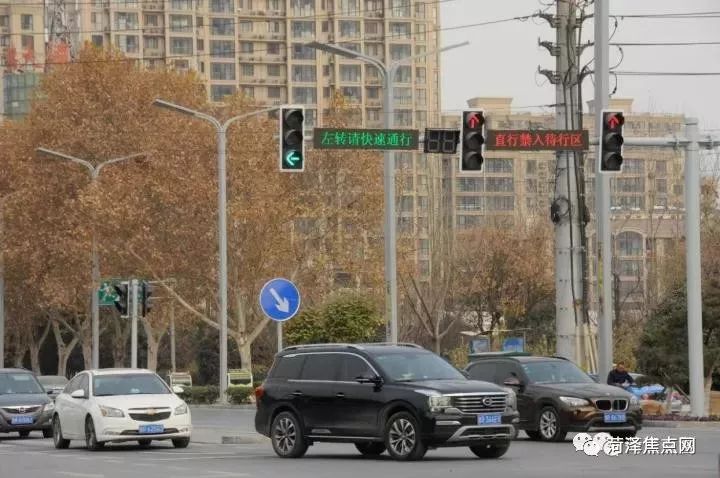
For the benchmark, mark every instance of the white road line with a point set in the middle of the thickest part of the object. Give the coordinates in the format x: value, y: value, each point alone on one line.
x: 79, y: 475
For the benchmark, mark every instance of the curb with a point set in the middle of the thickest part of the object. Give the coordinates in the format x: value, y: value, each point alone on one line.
x: 680, y: 424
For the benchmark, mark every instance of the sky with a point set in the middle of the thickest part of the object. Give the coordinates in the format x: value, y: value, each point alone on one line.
x: 503, y: 59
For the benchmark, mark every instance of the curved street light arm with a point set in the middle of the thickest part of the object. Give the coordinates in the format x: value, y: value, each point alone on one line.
x: 227, y: 123
x: 96, y: 172
x: 56, y: 155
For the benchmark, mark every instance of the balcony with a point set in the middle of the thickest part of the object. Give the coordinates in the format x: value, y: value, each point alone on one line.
x: 153, y: 52
x: 153, y: 6
x: 373, y: 102
x: 4, y: 30
x: 373, y: 81
x: 153, y: 30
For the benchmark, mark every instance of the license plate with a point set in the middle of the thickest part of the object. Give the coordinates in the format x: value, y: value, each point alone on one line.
x: 150, y: 429
x: 615, y: 417
x: 489, y: 419
x: 23, y: 420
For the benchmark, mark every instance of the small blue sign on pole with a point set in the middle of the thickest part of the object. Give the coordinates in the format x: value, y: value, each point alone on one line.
x: 514, y: 344
x: 480, y: 345
x: 280, y: 300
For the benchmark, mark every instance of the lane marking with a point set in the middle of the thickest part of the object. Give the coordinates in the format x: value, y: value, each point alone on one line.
x: 80, y: 475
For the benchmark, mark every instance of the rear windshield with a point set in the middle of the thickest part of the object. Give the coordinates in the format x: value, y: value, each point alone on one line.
x: 19, y: 383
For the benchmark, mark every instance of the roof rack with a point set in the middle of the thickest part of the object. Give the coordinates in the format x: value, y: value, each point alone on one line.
x: 352, y: 346
x: 390, y: 344
x: 306, y: 346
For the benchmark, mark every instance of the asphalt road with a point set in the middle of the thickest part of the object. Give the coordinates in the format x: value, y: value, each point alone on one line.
x: 36, y: 458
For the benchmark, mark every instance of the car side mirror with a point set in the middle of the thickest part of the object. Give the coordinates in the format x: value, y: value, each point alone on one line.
x: 49, y: 392
x: 512, y: 382
x: 78, y: 394
x: 177, y: 389
x: 376, y: 380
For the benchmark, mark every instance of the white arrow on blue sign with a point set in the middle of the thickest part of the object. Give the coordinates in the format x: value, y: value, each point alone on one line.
x: 280, y: 299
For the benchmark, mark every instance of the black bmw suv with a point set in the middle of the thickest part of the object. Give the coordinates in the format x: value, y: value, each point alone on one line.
x: 555, y: 396
x: 400, y: 398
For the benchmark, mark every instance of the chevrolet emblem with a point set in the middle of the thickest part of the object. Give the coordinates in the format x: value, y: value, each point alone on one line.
x: 151, y: 411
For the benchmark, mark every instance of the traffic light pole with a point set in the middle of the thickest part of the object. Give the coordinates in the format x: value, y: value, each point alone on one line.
x: 221, y: 133
x: 134, y: 324
x: 95, y: 259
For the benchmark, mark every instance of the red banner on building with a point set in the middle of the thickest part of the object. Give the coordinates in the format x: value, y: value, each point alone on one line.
x: 537, y: 140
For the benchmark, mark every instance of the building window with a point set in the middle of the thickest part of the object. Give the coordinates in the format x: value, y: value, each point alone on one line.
x: 470, y: 203
x: 274, y: 27
x: 420, y: 75
x: 400, y: 52
x: 129, y: 43
x: 218, y: 92
x: 420, y: 10
x: 629, y: 202
x: 661, y: 168
x: 634, y: 166
x: 181, y: 46
x: 630, y: 244
x: 247, y: 69
x: 352, y: 93
x: 222, y: 26
x: 26, y: 22
x: 424, y: 268
x: 248, y: 91
x: 152, y: 42
x: 274, y: 92
x: 420, y: 32
x: 273, y: 49
x: 530, y: 167
x: 629, y: 185
x: 4, y: 21
x: 97, y: 40
x: 497, y: 165
x: 246, y: 47
x: 400, y: 31
x: 470, y: 185
x: 304, y: 8
x: 631, y: 268
x: 181, y: 4
x: 350, y: 73
x: 349, y: 29
x: 273, y: 70
x: 181, y: 23
x: 373, y: 115
x: 406, y: 203
x: 200, y: 45
x: 375, y: 50
x: 272, y: 5
x: 373, y: 28
x: 245, y: 27
x: 303, y: 29
x: 404, y: 74
x: 349, y: 7
x: 402, y: 96
x: 421, y: 118
x: 125, y: 21
x: 421, y: 97
x: 422, y: 203
x: 222, y: 71
x: 497, y: 185
x: 403, y: 117
x: 221, y: 6
x: 531, y: 186
x: 304, y: 95
x: 150, y: 20
x: 400, y: 8
x: 222, y: 48
x: 304, y: 73
x: 661, y: 186
x: 301, y: 52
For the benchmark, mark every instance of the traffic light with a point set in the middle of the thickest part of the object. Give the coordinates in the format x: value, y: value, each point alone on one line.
x: 611, y: 141
x: 145, y: 295
x: 292, y: 144
x: 473, y: 141
x: 122, y: 303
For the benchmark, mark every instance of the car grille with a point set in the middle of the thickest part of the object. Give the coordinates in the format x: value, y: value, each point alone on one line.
x: 22, y: 410
x: 148, y: 417
x: 607, y: 404
x: 479, y: 403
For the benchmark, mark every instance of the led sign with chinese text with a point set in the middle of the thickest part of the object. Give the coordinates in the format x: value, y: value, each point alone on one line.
x: 380, y: 139
x: 538, y: 140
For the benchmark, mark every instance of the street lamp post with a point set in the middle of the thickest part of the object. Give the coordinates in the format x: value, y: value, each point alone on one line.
x: 388, y: 75
x: 221, y: 132
x: 95, y: 279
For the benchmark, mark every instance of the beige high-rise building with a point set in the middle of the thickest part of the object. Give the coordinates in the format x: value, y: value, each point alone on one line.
x: 647, y: 197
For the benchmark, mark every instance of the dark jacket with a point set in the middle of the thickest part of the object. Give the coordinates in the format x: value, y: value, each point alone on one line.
x: 615, y: 377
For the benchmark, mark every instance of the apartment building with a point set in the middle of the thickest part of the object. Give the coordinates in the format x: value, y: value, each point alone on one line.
x: 646, y: 203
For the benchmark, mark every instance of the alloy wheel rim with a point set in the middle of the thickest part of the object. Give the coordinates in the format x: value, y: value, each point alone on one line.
x: 548, y: 424
x: 402, y: 436
x: 56, y: 431
x: 89, y: 433
x: 285, y: 435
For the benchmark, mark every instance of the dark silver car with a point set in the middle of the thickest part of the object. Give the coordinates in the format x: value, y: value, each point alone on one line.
x: 53, y: 384
x: 24, y: 404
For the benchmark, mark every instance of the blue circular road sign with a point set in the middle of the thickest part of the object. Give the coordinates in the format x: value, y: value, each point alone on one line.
x: 280, y: 299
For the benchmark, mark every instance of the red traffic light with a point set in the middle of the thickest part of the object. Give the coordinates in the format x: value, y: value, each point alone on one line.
x: 614, y: 120
x: 474, y: 119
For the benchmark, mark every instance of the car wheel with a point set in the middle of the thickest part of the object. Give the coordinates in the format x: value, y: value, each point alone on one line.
x: 402, y: 438
x: 58, y: 440
x: 287, y: 436
x: 181, y: 442
x: 24, y: 434
x: 533, y: 434
x: 549, y: 425
x: 144, y: 443
x: 47, y: 433
x: 490, y: 451
x: 370, y: 448
x: 514, y: 432
x: 91, y: 437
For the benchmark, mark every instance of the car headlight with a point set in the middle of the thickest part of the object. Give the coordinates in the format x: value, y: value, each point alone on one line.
x: 574, y: 401
x: 111, y: 412
x: 181, y: 409
x: 439, y: 403
x: 511, y: 398
x: 49, y: 407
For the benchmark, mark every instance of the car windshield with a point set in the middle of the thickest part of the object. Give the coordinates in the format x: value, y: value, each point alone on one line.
x: 19, y: 383
x: 415, y: 366
x: 53, y: 381
x: 555, y: 371
x: 129, y: 384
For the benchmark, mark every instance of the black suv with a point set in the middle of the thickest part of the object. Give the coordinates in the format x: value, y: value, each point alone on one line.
x: 554, y: 397
x: 400, y: 398
x: 24, y: 403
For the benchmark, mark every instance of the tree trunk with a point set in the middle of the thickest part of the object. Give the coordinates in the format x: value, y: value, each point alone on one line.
x: 35, y: 346
x: 245, y: 350
x: 437, y: 337
x: 120, y: 343
x: 19, y: 356
x: 244, y: 346
x: 87, y: 353
x: 152, y: 354
x: 63, y: 350
x: 708, y: 393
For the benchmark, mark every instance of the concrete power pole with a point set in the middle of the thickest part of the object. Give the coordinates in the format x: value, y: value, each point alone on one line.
x: 568, y: 250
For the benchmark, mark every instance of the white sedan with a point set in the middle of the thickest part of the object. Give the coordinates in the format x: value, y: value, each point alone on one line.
x: 119, y: 405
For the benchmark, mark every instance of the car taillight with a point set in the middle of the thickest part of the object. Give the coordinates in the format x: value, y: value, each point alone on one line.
x: 258, y: 394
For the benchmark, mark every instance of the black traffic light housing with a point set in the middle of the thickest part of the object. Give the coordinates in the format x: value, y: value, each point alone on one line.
x: 145, y: 295
x: 611, y: 141
x: 292, y: 139
x: 473, y: 141
x: 122, y: 303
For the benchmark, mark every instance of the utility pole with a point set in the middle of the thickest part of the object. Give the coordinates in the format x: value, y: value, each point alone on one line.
x: 602, y: 195
x: 173, y: 363
x: 568, y: 250
x: 134, y: 324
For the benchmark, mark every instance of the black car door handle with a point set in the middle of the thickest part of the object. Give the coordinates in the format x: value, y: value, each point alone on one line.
x: 297, y: 393
x: 340, y: 395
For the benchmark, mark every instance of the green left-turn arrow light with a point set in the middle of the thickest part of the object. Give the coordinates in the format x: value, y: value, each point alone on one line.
x: 293, y: 160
